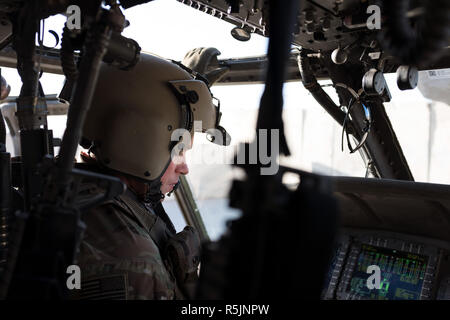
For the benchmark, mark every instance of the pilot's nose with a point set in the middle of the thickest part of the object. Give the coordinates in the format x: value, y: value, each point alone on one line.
x: 182, y: 167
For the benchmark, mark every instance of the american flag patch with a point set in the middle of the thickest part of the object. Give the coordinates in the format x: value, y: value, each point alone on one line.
x: 109, y: 287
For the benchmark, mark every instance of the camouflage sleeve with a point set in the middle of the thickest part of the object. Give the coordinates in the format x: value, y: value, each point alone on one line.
x: 119, y: 260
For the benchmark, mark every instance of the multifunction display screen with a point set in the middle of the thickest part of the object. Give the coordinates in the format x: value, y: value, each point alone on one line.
x: 400, y: 274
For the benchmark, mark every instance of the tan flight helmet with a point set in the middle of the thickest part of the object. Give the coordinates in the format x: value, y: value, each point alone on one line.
x: 135, y: 117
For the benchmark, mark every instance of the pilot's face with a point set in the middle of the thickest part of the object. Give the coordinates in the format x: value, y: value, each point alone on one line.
x: 173, y: 172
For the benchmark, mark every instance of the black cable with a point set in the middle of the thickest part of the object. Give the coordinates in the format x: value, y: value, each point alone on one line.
x: 309, y: 80
x: 365, y: 131
x: 344, y: 124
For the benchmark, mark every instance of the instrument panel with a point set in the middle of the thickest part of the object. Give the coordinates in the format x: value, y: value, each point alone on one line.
x: 409, y: 267
x: 321, y: 25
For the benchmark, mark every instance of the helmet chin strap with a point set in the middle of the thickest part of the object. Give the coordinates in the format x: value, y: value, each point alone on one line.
x: 152, y: 198
x: 153, y: 194
x: 149, y: 192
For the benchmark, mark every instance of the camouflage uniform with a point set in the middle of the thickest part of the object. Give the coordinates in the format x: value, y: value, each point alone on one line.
x: 118, y: 257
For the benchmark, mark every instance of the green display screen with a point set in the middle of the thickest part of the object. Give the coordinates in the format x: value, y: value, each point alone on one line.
x: 401, y: 275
